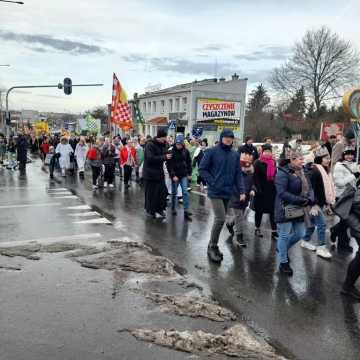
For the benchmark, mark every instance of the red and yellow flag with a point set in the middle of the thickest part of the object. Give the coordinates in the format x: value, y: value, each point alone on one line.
x: 120, y: 110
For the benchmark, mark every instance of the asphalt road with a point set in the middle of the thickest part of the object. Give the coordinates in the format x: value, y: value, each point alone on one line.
x: 304, y: 317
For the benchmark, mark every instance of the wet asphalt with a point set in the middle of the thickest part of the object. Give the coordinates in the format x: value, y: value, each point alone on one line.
x: 54, y: 306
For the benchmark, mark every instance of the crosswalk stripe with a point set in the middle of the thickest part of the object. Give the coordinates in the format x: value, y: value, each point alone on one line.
x: 28, y: 205
x: 93, y: 221
x: 66, y: 197
x: 49, y: 240
x: 58, y: 189
x: 78, y: 207
x: 84, y: 214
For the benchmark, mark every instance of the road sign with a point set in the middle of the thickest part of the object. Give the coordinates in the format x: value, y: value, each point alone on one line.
x: 172, y: 125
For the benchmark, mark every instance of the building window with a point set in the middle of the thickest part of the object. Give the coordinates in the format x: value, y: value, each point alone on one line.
x: 154, y: 107
x: 177, y: 104
x: 170, y: 105
x: 162, y: 106
x: 184, y: 102
x: 149, y: 107
x: 144, y: 107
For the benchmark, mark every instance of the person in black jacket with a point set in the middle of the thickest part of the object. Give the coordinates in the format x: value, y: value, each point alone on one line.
x: 22, y: 147
x: 265, y: 191
x: 180, y: 169
x: 249, y: 148
x: 155, y: 155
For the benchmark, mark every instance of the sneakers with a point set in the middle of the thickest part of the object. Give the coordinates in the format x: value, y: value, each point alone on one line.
x: 239, y: 241
x: 258, y: 233
x: 307, y: 245
x: 215, y: 255
x: 105, y: 184
x: 323, y: 252
x: 230, y: 227
x: 95, y: 187
x: 111, y: 185
x: 351, y: 292
x: 285, y: 269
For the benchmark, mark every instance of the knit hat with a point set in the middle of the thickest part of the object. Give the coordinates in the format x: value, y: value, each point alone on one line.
x: 349, y: 150
x: 179, y: 139
x: 349, y: 134
x: 266, y: 147
x: 320, y: 152
x: 227, y: 133
x: 161, y: 133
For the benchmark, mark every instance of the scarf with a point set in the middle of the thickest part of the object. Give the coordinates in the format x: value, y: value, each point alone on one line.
x: 271, y: 169
x: 329, y: 186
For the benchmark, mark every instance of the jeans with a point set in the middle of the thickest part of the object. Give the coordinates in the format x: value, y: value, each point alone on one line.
x: 183, y: 182
x: 289, y: 234
x: 220, y: 207
x: 320, y: 222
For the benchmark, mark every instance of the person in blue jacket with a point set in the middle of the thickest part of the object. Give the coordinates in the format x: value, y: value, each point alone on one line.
x: 220, y: 167
x: 292, y: 190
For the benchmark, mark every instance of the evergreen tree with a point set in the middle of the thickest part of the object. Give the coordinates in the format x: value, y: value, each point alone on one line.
x: 258, y: 100
x: 297, y: 105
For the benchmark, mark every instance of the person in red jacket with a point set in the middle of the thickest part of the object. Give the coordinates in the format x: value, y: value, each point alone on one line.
x: 128, y: 161
x: 44, y: 148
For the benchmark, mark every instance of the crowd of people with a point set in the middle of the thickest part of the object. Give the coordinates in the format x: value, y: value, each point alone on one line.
x: 298, y: 191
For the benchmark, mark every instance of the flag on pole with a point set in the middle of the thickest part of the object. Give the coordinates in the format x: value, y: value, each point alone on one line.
x: 120, y: 110
x: 139, y: 119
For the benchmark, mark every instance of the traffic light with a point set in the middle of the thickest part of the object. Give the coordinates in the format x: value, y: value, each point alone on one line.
x: 67, y: 86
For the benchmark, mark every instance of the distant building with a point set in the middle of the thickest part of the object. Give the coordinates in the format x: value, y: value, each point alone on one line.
x: 210, y: 104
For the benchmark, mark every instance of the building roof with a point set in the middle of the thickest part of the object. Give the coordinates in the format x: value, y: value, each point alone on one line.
x: 160, y: 120
x: 178, y: 88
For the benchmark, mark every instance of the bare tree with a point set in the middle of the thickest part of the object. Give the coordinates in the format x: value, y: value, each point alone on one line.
x: 322, y: 63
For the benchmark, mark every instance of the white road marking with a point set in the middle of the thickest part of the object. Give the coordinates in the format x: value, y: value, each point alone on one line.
x: 84, y: 214
x: 79, y: 207
x: 66, y: 197
x: 61, y: 193
x: 197, y: 193
x: 58, y: 189
x: 93, y: 221
x: 28, y: 205
x: 77, y: 237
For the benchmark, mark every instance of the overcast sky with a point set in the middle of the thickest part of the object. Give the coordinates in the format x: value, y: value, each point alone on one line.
x: 151, y: 41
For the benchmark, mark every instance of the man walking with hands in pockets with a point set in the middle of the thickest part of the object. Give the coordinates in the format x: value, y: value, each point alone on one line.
x: 221, y: 170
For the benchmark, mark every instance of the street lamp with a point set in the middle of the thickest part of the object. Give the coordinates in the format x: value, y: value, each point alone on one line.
x: 13, y: 2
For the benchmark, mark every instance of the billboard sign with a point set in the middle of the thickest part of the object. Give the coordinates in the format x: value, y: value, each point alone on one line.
x: 212, y: 109
x: 329, y: 129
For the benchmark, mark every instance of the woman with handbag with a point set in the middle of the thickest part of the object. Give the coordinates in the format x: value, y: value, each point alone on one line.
x: 324, y: 195
x: 293, y: 195
x: 265, y: 191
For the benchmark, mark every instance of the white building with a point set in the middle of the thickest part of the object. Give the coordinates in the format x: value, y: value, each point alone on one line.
x: 210, y: 104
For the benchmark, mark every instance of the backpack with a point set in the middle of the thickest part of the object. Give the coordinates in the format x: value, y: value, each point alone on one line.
x: 92, y: 154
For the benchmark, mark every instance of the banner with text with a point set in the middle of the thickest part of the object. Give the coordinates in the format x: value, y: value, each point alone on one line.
x: 211, y: 109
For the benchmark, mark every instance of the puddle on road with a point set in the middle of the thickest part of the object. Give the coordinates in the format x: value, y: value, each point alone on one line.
x: 191, y: 306
x: 237, y: 341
